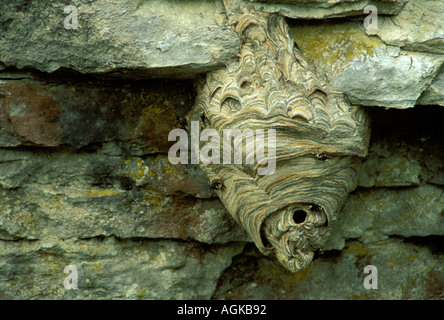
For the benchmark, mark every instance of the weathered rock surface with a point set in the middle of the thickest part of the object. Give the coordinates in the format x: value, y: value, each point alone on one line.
x: 180, y: 39
x: 85, y: 179
x: 136, y: 226
x: 375, y: 215
x: 405, y: 153
x: 75, y: 111
x: 38, y: 212
x: 151, y: 38
x: 320, y: 9
x: 418, y: 27
x: 365, y: 68
x: 110, y: 268
x: 434, y: 95
x: 405, y: 270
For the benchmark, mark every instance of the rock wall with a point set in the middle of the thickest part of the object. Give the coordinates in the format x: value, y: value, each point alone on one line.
x: 85, y: 179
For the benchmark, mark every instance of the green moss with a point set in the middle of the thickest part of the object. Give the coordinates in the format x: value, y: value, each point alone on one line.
x: 273, y: 270
x: 358, y: 249
x: 297, y: 276
x: 330, y: 42
x: 99, y: 193
x: 135, y: 168
x: 141, y: 293
x: 152, y: 173
x: 155, y: 199
x: 155, y: 110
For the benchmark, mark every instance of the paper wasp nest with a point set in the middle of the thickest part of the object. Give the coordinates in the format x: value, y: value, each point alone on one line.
x: 317, y: 149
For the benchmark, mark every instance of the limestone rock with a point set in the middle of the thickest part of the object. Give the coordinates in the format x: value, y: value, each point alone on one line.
x: 89, y: 111
x: 20, y: 168
x: 37, y: 212
x: 112, y: 269
x: 393, y: 170
x: 405, y: 270
x: 407, y: 152
x: 320, y: 9
x: 136, y: 39
x: 161, y: 176
x: 368, y: 71
x: 434, y: 95
x: 377, y: 214
x: 84, y: 175
x: 68, y: 194
x: 418, y: 27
